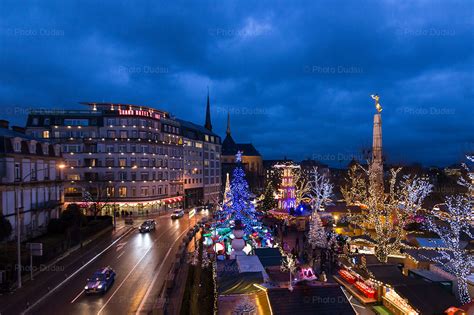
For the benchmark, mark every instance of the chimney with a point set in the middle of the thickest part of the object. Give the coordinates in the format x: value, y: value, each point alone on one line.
x: 19, y: 129
x: 4, y: 124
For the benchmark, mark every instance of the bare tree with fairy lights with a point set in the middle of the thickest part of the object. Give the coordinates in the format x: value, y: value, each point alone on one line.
x: 302, y: 185
x: 289, y: 265
x: 321, y: 190
x: 384, y: 214
x: 450, y: 226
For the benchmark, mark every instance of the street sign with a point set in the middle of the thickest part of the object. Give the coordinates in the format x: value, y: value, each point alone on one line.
x: 192, y: 213
x: 36, y: 249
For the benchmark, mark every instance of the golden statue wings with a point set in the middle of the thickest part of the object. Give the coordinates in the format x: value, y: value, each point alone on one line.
x: 376, y: 98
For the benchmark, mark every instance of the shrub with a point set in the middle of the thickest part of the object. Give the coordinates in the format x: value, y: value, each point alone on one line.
x: 5, y: 228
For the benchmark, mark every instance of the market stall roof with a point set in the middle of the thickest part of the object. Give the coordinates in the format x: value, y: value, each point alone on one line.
x: 423, y: 255
x: 269, y: 256
x: 389, y: 274
x: 231, y: 281
x: 428, y: 298
x: 429, y: 275
x: 255, y: 303
x: 247, y: 264
x: 327, y: 300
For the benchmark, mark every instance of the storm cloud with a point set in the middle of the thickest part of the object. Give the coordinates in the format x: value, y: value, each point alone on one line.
x: 295, y: 76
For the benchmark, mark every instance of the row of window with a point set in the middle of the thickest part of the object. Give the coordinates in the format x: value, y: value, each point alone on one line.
x: 57, y: 121
x: 125, y: 176
x: 132, y: 122
x: 123, y: 148
x: 193, y: 181
x: 124, y: 191
x: 31, y: 173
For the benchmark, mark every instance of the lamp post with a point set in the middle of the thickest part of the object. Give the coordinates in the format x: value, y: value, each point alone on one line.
x: 18, y: 226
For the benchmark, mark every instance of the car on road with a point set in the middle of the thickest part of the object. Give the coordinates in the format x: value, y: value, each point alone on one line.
x: 178, y: 213
x: 100, y: 281
x: 147, y: 226
x: 128, y: 221
x: 202, y: 208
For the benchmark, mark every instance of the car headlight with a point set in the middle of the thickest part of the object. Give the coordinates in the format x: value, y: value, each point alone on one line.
x: 100, y: 286
x: 86, y: 287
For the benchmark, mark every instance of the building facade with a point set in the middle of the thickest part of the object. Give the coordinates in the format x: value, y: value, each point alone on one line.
x: 120, y: 157
x: 129, y: 157
x: 202, y: 169
x: 30, y: 181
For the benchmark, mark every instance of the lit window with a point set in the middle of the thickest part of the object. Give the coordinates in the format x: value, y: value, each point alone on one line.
x: 123, y: 191
x: 46, y: 134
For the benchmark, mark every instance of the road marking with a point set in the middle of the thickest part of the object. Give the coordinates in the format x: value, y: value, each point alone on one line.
x: 148, y: 291
x: 74, y: 300
x: 73, y: 274
x: 120, y: 254
x: 121, y: 245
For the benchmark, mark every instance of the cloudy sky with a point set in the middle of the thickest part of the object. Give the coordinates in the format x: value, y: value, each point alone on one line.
x: 296, y: 76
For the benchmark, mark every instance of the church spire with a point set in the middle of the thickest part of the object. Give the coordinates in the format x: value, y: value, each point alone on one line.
x: 208, y: 124
x: 228, y: 124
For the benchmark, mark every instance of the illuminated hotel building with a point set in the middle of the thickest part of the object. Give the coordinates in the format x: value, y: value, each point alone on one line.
x: 129, y: 157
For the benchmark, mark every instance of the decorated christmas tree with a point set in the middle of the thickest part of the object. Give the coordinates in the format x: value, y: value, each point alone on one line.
x: 241, y: 208
x: 227, y: 192
x: 269, y: 202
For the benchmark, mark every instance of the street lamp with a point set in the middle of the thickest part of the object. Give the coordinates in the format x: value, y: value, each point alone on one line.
x: 18, y: 227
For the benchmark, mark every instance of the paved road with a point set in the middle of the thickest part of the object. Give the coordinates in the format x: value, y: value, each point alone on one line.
x: 141, y: 262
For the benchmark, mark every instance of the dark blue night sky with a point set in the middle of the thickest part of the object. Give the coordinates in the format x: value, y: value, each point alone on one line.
x: 296, y: 76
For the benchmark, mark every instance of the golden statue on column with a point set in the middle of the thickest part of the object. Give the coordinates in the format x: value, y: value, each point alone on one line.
x: 376, y: 98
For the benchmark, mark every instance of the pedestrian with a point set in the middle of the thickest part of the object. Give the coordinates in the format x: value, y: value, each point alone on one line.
x: 323, y: 277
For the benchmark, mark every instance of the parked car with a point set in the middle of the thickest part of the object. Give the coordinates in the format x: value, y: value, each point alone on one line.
x: 178, y: 213
x: 128, y: 221
x: 147, y: 226
x: 100, y: 281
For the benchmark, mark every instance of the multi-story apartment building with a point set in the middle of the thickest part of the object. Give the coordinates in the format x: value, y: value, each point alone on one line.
x: 30, y: 181
x: 126, y: 157
x: 202, y: 170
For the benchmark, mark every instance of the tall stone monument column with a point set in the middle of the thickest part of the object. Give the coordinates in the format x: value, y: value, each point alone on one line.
x: 377, y: 161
